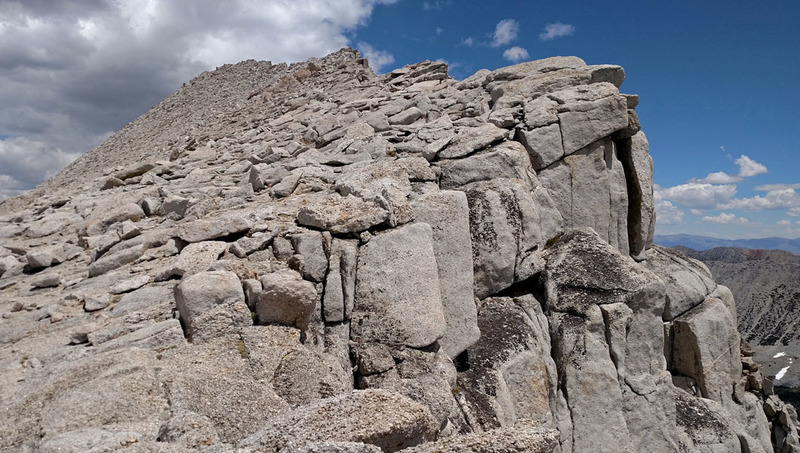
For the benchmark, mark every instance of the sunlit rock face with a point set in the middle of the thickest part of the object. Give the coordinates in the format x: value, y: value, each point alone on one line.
x: 310, y: 257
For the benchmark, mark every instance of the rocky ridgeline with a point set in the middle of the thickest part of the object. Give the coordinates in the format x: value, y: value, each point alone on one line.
x: 340, y: 262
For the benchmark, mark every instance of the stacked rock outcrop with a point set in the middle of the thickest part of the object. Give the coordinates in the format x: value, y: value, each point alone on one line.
x: 336, y: 261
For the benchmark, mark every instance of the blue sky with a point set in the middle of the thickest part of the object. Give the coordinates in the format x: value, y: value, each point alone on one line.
x: 718, y: 80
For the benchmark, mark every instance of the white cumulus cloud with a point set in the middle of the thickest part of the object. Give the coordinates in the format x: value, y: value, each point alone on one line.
x: 725, y: 218
x: 775, y: 199
x: 505, y: 32
x: 378, y: 59
x: 516, y: 54
x: 667, y: 213
x: 697, y: 195
x: 556, y: 30
x: 747, y: 168
x: 719, y: 177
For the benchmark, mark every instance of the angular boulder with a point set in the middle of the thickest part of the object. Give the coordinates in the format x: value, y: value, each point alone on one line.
x: 398, y: 297
x: 339, y: 214
x: 340, y: 283
x: 206, y: 229
x: 509, y: 224
x: 447, y: 212
x: 312, y: 248
x: 687, y: 280
x: 511, y: 376
x: 608, y: 346
x: 705, y: 347
x: 377, y: 417
x: 286, y: 299
x: 211, y: 303
x: 588, y: 113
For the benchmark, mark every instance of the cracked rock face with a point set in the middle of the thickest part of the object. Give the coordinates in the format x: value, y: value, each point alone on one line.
x: 313, y: 258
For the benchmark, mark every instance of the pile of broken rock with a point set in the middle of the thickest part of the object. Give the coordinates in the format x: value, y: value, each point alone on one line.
x: 324, y: 260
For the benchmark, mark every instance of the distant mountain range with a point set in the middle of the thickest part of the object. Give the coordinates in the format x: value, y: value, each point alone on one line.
x: 706, y: 243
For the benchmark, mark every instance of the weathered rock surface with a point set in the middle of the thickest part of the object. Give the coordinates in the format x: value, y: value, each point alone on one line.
x: 641, y: 205
x: 359, y: 416
x: 398, y: 297
x: 204, y: 230
x: 607, y: 345
x: 340, y: 285
x: 211, y: 304
x: 589, y: 189
x: 688, y: 281
x: 286, y: 299
x: 522, y: 437
x: 113, y: 261
x: 702, y: 352
x: 511, y: 375
x: 447, y: 213
x: 370, y: 263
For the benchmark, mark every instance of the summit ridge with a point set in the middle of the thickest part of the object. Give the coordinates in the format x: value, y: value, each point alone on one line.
x: 314, y: 258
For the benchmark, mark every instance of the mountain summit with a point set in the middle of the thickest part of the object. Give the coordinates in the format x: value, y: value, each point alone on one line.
x: 313, y: 258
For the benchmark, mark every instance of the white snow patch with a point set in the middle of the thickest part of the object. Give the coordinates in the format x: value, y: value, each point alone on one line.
x: 781, y: 373
x: 780, y: 354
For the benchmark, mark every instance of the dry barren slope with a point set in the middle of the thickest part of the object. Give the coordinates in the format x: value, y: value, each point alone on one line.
x: 173, y: 122
x: 766, y: 285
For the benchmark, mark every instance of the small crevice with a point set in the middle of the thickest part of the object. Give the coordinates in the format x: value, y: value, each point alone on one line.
x: 561, y: 134
x: 553, y: 164
x: 607, y: 332
x: 184, y: 327
x: 595, y: 290
x: 232, y: 237
x: 461, y: 362
x: 463, y: 407
x: 521, y: 288
x: 625, y: 157
x: 322, y: 295
x: 674, y: 318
